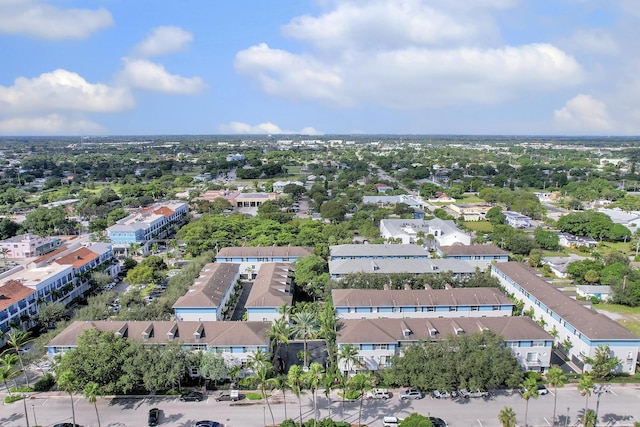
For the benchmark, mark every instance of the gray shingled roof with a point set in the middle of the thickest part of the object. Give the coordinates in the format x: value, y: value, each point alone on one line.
x: 418, y: 297
x: 382, y: 251
x: 394, y: 265
x: 590, y: 323
x: 271, y: 288
x: 264, y: 251
x: 210, y: 287
x: 460, y: 250
x: 381, y: 331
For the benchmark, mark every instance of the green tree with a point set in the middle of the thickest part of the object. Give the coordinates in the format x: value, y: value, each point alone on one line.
x: 348, y: 354
x: 555, y: 378
x: 295, y: 378
x: 546, y: 239
x: 261, y: 374
x: 507, y: 417
x: 141, y: 274
x: 91, y: 392
x: 585, y: 387
x: 46, y: 221
x: 416, y: 420
x: 49, y: 313
x: 333, y: 210
x: 529, y: 391
x: 7, y: 373
x: 603, y: 364
x: 313, y: 379
x: 305, y: 327
x: 360, y: 383
x: 17, y: 339
x: 67, y: 382
x: 281, y: 383
x: 213, y: 367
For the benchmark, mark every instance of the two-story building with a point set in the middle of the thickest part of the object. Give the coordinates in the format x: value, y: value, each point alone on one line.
x: 343, y: 267
x: 236, y: 341
x: 378, y: 340
x: 271, y: 289
x: 420, y: 303
x: 579, y: 330
x: 517, y: 220
x: 18, y: 308
x: 207, y: 298
x: 251, y: 258
x: 477, y: 255
x: 28, y: 245
x: 147, y: 225
x: 471, y: 211
x: 377, y: 252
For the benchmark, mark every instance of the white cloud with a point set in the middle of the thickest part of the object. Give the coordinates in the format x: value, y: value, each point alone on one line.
x: 594, y: 40
x: 62, y: 90
x: 144, y: 74
x: 52, y: 124
x: 267, y: 128
x: 37, y: 18
x: 412, y: 77
x: 163, y: 40
x: 407, y: 54
x: 584, y: 114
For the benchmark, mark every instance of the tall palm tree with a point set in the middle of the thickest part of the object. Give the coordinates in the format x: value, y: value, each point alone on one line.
x: 261, y: 372
x: 585, y: 387
x: 278, y: 333
x: 281, y: 383
x: 529, y: 391
x: 295, y: 384
x: 360, y: 382
x: 91, y: 392
x: 7, y: 372
x: 305, y: 327
x: 328, y: 383
x: 348, y: 354
x: 556, y: 378
x: 507, y: 417
x: 313, y: 378
x: 4, y: 252
x: 67, y: 382
x: 16, y: 340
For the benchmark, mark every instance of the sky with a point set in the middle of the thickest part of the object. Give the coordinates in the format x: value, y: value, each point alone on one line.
x: 319, y: 67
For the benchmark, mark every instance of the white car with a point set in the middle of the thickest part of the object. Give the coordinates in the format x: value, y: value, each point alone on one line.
x: 378, y: 393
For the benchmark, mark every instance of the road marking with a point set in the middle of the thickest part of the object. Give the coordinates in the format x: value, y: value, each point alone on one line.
x: 480, y: 422
x: 546, y: 421
x: 45, y: 402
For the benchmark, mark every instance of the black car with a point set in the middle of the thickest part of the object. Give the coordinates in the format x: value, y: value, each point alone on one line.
x: 437, y: 422
x: 66, y: 425
x: 207, y: 423
x: 193, y: 396
x: 154, y: 417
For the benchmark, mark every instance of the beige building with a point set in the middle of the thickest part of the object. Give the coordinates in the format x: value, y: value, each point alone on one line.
x: 471, y: 211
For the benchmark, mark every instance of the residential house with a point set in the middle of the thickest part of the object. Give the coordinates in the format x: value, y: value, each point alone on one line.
x: 579, y: 330
x: 517, y: 220
x: 559, y: 265
x: 420, y: 303
x: 251, y: 258
x: 278, y: 186
x: 236, y: 341
x: 378, y: 340
x: 434, y: 232
x: 570, y: 241
x: 28, y: 245
x: 601, y: 292
x: 207, y: 298
x: 383, y: 188
x: 477, y: 255
x: 144, y: 227
x: 271, y: 289
x: 342, y: 267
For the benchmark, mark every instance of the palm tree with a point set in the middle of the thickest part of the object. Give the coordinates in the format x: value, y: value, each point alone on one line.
x: 305, y: 327
x: 4, y: 252
x: 16, y: 340
x: 295, y: 384
x: 585, y: 386
x: 261, y: 372
x: 7, y: 372
x: 556, y: 378
x: 281, y: 383
x: 91, y: 392
x: 529, y: 390
x: 349, y: 355
x: 328, y: 383
x: 278, y: 333
x: 67, y: 382
x: 313, y: 378
x: 134, y: 249
x: 360, y: 382
x: 507, y: 417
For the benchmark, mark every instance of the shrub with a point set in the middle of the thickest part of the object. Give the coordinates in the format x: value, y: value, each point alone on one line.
x: 253, y: 396
x: 44, y: 383
x: 22, y: 389
x: 12, y: 398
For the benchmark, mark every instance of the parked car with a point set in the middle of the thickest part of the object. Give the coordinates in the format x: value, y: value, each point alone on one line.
x: 207, y: 423
x: 192, y: 396
x: 441, y: 394
x: 378, y: 393
x: 391, y: 421
x: 542, y: 390
x: 411, y: 393
x: 154, y: 417
x: 437, y: 422
x: 66, y: 425
x: 231, y: 395
x: 465, y: 393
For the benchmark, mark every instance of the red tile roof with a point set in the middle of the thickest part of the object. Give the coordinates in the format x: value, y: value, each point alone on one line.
x: 164, y: 211
x: 78, y: 258
x: 12, y: 292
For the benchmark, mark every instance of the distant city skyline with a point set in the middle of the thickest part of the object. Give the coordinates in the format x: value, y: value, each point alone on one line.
x: 316, y: 67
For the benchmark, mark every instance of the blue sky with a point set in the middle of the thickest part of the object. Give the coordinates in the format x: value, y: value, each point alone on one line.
x: 132, y: 67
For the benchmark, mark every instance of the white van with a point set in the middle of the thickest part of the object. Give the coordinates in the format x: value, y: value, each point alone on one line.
x: 391, y: 421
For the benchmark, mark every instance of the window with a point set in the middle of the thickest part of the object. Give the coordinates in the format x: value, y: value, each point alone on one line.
x: 381, y: 346
x: 495, y: 308
x: 475, y: 308
x: 453, y: 308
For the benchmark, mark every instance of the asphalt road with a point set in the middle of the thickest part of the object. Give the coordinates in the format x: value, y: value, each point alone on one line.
x: 620, y: 408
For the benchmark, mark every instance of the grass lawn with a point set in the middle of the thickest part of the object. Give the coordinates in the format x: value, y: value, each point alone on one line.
x: 470, y: 199
x: 630, y: 316
x: 617, y: 246
x: 482, y: 226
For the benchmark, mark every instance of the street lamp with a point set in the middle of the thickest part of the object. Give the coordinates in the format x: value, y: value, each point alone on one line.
x: 33, y: 408
x: 24, y: 403
x: 599, y: 390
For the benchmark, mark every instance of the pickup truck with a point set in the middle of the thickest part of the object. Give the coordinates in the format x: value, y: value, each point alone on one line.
x: 472, y: 394
x: 231, y: 395
x: 378, y: 393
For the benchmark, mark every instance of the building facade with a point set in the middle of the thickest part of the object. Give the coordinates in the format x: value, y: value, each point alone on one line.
x: 28, y: 245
